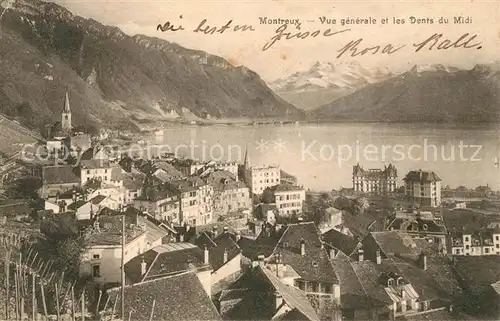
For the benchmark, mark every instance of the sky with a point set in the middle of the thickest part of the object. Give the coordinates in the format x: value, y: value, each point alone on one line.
x: 288, y: 56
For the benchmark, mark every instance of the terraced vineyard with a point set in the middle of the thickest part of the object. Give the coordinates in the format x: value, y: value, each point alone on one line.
x: 14, y: 136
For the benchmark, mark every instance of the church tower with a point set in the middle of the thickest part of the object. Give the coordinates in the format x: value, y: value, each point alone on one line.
x: 66, y: 115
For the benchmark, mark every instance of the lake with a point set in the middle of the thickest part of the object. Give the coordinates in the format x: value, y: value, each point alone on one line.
x: 322, y: 156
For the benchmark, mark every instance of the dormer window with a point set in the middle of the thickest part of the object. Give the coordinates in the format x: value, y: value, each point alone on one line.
x: 400, y: 281
x: 390, y: 282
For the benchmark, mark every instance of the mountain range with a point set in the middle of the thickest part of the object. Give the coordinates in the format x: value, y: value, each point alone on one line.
x: 422, y: 94
x: 114, y: 79
x: 325, y: 82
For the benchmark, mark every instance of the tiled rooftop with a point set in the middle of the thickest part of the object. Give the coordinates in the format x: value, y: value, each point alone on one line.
x: 178, y: 297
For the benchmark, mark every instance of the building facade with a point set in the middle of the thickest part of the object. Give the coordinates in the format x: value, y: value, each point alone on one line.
x: 289, y: 199
x: 423, y: 188
x: 374, y: 181
x: 486, y: 242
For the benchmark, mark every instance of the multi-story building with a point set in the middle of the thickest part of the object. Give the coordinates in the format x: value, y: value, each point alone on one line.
x: 420, y: 224
x: 289, y: 199
x: 374, y: 181
x: 102, y: 258
x: 484, y: 242
x: 58, y: 179
x: 230, y: 195
x: 258, y: 178
x: 190, y: 167
x: 160, y: 202
x: 101, y: 170
x: 196, y: 200
x: 423, y: 187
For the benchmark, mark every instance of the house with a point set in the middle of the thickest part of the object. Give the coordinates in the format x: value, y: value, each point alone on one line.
x: 187, y: 166
x: 230, y: 195
x: 266, y: 212
x: 225, y: 258
x: 58, y: 179
x: 166, y: 172
x: 374, y: 181
x: 132, y: 184
x: 170, y: 259
x: 289, y: 199
x: 196, y: 200
x: 175, y: 297
x: 298, y: 255
x: 159, y: 201
x: 157, y: 232
x: 260, y: 295
x: 423, y: 187
x: 334, y: 218
x: 60, y: 202
x: 419, y: 224
x: 341, y: 243
x: 258, y: 178
x: 95, y: 188
x: 355, y: 303
x: 388, y: 244
x: 100, y: 169
x: 474, y: 242
x: 76, y: 144
x: 102, y: 259
x: 87, y: 210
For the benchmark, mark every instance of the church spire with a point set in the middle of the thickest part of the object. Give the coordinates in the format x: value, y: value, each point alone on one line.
x: 66, y: 104
x: 246, y: 163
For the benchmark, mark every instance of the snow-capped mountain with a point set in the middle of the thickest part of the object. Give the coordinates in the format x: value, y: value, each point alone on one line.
x: 435, y: 67
x: 326, y: 81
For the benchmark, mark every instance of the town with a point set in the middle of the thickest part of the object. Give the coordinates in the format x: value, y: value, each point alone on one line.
x: 107, y: 235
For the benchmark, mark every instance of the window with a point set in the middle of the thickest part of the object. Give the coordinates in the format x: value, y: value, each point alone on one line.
x: 486, y: 250
x: 467, y: 247
x: 96, y: 256
x: 96, y: 271
x: 466, y: 239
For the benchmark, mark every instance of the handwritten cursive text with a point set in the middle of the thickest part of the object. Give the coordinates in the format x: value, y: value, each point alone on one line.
x: 208, y: 30
x: 464, y: 41
x: 167, y: 26
x: 354, y: 50
x: 280, y: 33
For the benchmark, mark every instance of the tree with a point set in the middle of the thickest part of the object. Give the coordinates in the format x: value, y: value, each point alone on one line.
x: 62, y: 243
x: 26, y: 187
x: 267, y: 196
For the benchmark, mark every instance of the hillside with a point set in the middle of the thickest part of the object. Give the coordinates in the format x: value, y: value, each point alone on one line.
x: 325, y: 82
x: 422, y: 95
x: 113, y: 78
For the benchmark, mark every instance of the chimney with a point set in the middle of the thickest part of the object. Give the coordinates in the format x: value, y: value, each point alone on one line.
x: 143, y: 267
x: 278, y: 300
x: 206, y: 256
x: 226, y: 229
x: 187, y: 226
x: 302, y: 247
x: 74, y: 196
x: 214, y: 231
x: 360, y: 255
x: 225, y: 256
x: 181, y: 237
x: 378, y: 257
x: 423, y: 261
x: 238, y: 236
x: 332, y: 253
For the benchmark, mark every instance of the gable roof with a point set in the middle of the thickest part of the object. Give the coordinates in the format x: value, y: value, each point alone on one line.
x: 61, y: 174
x: 352, y: 294
x: 392, y: 243
x: 345, y: 243
x: 293, y: 297
x: 314, y: 265
x: 188, y: 299
x: 224, y: 243
x: 166, y: 259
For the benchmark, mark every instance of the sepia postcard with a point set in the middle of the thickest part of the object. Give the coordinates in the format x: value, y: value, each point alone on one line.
x: 249, y: 160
